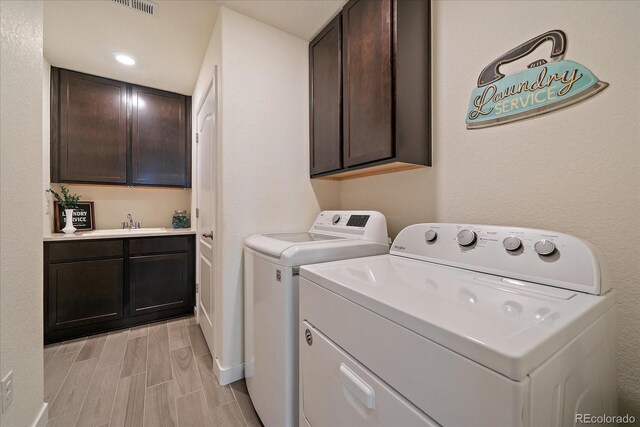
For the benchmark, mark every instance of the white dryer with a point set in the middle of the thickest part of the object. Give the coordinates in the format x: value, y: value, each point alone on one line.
x: 271, y: 266
x: 460, y: 325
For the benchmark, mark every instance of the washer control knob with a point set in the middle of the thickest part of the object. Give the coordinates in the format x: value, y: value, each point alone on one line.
x: 466, y: 237
x: 335, y: 219
x: 430, y: 236
x: 544, y: 247
x: 512, y: 243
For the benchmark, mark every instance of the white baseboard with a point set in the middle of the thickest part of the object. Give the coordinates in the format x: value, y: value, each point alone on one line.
x: 229, y: 374
x: 43, y: 416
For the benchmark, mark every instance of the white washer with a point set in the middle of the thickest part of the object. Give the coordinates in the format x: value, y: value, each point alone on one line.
x: 271, y: 268
x: 460, y: 325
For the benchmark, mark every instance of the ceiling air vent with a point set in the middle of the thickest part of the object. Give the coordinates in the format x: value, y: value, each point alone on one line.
x: 144, y: 6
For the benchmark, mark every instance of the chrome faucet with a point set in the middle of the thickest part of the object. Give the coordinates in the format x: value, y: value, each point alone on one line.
x: 130, y: 224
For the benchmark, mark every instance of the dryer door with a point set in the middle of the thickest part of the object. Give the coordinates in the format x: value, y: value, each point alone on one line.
x: 338, y: 391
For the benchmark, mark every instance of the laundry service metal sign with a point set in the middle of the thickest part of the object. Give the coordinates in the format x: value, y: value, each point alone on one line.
x: 543, y: 87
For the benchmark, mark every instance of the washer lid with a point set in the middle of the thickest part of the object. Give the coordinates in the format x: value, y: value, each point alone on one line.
x: 351, y: 233
x: 295, y: 249
x: 507, y: 325
x: 275, y: 244
x: 302, y: 237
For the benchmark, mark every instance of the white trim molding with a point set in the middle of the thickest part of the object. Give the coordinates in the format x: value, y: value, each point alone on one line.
x: 229, y: 374
x: 42, y: 418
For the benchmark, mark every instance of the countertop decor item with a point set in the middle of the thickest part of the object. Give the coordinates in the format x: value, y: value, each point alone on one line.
x: 84, y: 218
x: 69, y: 203
x: 180, y: 219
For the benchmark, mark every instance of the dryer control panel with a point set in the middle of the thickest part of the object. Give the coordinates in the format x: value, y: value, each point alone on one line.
x: 368, y: 225
x: 534, y: 255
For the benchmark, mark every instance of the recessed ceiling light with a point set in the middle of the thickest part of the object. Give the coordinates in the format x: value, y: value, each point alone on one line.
x: 123, y: 58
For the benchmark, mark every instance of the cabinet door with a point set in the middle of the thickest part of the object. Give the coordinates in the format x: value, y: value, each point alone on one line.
x: 368, y: 81
x: 160, y: 149
x: 85, y: 292
x: 158, y: 282
x: 325, y: 86
x: 89, y: 129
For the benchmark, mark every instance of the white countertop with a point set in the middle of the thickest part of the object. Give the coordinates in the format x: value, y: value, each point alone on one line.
x: 118, y: 233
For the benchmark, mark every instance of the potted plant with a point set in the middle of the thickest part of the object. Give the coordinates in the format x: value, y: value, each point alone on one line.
x: 68, y: 203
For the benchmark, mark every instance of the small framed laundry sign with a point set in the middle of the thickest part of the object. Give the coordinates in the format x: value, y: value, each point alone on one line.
x: 83, y: 217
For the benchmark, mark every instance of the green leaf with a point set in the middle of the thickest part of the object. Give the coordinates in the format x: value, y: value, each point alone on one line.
x: 66, y: 200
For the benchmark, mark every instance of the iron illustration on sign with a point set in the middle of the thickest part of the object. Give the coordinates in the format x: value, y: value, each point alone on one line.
x: 543, y: 87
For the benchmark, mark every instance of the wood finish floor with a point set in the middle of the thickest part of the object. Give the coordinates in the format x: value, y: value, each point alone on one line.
x: 154, y: 375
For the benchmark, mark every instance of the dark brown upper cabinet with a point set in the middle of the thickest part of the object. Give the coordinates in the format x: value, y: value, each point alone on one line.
x: 368, y: 78
x: 386, y: 115
x: 160, y: 152
x: 90, y: 124
x: 325, y: 91
x: 110, y: 132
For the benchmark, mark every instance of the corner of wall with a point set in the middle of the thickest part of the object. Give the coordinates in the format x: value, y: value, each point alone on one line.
x: 47, y: 214
x: 21, y: 295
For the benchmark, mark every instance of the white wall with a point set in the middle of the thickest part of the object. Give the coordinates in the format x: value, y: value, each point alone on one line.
x: 404, y: 197
x: 265, y: 134
x: 152, y: 206
x: 20, y: 192
x: 263, y: 151
x: 575, y: 171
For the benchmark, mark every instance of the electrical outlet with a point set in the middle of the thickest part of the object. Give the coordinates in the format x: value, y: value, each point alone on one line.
x: 7, y: 391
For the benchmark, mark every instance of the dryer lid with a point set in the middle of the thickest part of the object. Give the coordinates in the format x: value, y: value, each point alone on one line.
x: 539, y: 256
x: 507, y: 325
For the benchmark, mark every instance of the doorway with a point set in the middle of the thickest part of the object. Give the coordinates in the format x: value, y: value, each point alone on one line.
x: 207, y: 163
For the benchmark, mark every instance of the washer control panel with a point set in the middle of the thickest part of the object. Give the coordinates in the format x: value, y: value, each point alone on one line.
x: 545, y: 247
x: 358, y: 220
x: 533, y: 255
x: 512, y: 243
x: 430, y: 235
x: 466, y: 237
x: 369, y: 225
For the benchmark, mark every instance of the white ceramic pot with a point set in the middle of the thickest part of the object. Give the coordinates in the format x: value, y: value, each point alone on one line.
x: 68, y: 227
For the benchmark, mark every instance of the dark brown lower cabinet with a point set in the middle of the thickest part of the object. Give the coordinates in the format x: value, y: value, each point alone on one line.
x: 158, y: 282
x: 94, y: 286
x: 75, y: 302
